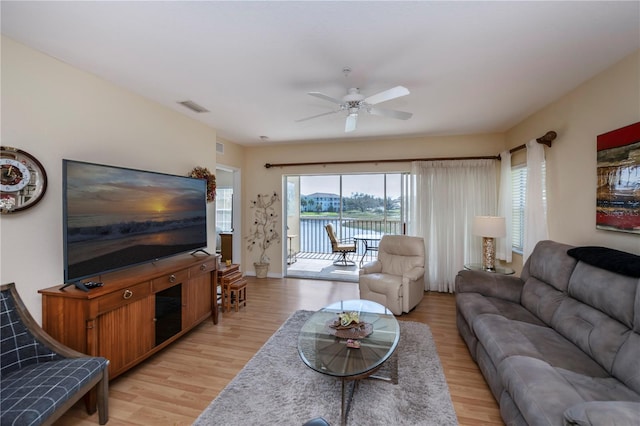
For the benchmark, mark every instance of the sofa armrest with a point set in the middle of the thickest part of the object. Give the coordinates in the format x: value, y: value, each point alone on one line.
x: 603, y: 413
x: 371, y: 268
x: 414, y: 274
x: 505, y: 287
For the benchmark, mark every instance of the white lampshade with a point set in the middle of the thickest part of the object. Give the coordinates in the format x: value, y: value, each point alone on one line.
x: 489, y: 226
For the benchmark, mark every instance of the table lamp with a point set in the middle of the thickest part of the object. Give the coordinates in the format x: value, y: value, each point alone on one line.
x: 489, y: 227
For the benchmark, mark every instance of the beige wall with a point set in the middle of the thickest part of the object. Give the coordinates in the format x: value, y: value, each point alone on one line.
x: 233, y: 155
x: 609, y: 101
x: 55, y: 111
x: 258, y: 179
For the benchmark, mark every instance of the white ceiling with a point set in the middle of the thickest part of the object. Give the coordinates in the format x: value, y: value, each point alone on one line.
x: 471, y: 67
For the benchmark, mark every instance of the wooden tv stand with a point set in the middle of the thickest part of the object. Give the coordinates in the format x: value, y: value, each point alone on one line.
x: 137, y: 312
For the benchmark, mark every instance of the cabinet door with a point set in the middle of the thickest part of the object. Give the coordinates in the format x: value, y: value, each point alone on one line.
x: 197, y: 299
x: 126, y: 334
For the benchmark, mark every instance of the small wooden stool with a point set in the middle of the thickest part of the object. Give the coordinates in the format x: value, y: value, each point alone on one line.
x: 237, y: 294
x: 233, y: 286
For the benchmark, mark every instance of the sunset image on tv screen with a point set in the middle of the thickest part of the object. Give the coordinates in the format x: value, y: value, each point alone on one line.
x: 116, y: 217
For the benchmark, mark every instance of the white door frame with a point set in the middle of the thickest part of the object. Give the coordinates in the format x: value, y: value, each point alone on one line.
x: 237, y: 211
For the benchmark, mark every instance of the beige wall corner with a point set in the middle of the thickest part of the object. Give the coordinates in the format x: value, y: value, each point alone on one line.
x: 606, y: 102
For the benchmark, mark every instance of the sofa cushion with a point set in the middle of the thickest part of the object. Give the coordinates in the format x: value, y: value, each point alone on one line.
x: 509, y: 411
x: 503, y: 338
x: 594, y: 413
x: 505, y: 287
x: 550, y: 263
x: 542, y: 393
x: 30, y: 395
x: 541, y: 299
x: 626, y: 366
x: 470, y: 305
x: 610, y: 293
x: 538, y: 390
x: 593, y: 331
x: 609, y: 259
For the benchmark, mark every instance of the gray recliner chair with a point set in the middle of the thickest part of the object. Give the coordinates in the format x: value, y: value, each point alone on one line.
x: 396, y: 279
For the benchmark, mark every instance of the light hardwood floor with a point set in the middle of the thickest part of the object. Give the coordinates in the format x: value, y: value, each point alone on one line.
x: 174, y: 386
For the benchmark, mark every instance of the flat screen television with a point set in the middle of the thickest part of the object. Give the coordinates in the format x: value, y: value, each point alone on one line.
x: 115, y: 217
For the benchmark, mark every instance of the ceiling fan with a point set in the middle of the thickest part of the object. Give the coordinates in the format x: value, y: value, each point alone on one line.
x: 355, y: 102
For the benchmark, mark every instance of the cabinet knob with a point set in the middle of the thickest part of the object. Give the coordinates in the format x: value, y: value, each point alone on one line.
x: 172, y: 278
x: 203, y: 267
x: 127, y: 294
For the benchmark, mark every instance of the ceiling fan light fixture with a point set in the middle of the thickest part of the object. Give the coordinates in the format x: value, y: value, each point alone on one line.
x: 353, y: 96
x: 350, y: 123
x: 354, y: 102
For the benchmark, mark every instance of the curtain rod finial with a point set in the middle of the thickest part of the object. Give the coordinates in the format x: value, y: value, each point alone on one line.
x: 547, y: 138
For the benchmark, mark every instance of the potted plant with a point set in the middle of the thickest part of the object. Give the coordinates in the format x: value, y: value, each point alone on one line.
x: 264, y: 231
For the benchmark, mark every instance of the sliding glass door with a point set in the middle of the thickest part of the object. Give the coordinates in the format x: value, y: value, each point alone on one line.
x: 355, y: 204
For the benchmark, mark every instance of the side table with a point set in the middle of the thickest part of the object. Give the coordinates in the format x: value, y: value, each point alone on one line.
x: 233, y: 287
x: 498, y: 270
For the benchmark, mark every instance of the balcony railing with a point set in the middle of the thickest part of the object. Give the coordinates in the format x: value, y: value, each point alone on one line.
x: 314, y: 239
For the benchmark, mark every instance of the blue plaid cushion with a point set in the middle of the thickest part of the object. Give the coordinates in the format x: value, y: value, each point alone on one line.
x: 18, y: 347
x: 30, y: 395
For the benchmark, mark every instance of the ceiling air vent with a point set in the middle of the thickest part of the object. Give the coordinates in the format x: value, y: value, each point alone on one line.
x: 219, y: 148
x: 193, y: 106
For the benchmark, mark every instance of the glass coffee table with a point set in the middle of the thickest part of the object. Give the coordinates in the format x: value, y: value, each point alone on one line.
x: 345, y: 353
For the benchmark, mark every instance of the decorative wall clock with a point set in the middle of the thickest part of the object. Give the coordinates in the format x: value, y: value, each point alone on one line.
x: 23, y: 180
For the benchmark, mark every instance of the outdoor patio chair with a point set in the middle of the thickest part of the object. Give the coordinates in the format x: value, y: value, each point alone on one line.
x: 342, y: 247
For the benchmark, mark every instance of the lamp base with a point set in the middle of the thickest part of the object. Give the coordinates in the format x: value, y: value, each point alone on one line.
x: 488, y: 254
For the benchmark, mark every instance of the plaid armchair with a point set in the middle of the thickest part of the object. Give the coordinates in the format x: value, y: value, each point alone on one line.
x: 40, y: 378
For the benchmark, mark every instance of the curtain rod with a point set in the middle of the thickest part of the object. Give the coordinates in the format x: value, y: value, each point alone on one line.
x: 546, y: 140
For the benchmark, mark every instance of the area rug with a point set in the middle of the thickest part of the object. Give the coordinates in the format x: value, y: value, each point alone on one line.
x: 276, y: 387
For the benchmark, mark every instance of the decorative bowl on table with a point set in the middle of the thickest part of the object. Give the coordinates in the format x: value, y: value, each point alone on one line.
x: 349, y: 326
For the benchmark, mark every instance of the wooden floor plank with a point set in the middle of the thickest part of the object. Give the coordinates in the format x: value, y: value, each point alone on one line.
x: 174, y: 386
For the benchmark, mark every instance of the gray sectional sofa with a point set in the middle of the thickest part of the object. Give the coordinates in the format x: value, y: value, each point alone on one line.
x: 561, y: 344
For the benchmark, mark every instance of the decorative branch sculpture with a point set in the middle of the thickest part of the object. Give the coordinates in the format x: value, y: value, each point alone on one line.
x: 264, y: 231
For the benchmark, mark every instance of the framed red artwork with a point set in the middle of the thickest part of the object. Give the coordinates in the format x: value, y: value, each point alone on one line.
x: 618, y: 190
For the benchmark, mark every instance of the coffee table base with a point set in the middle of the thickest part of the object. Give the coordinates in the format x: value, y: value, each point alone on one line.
x: 347, y: 399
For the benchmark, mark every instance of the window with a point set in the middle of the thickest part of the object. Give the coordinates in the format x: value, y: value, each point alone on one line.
x: 224, y: 209
x: 518, y: 188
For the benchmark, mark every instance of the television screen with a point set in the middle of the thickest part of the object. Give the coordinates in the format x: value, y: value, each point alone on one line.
x: 116, y: 217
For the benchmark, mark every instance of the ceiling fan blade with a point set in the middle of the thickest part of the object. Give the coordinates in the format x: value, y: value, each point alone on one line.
x: 387, y: 95
x: 402, y: 115
x: 316, y: 116
x: 350, y: 124
x: 326, y: 97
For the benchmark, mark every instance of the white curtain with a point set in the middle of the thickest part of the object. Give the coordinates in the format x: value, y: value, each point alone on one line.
x: 535, y: 210
x: 446, y: 196
x: 505, y: 207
